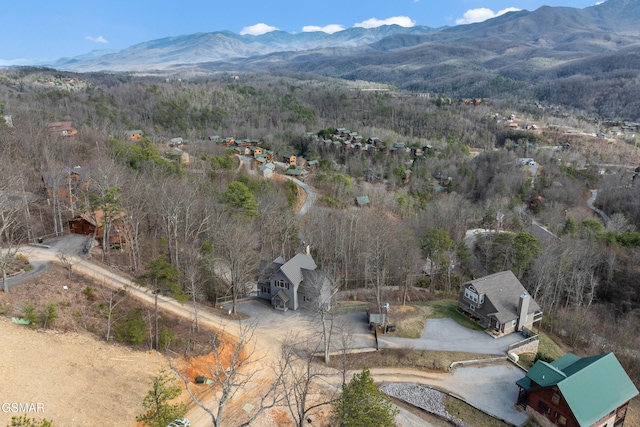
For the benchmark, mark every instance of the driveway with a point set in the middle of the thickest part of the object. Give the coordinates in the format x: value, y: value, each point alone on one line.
x: 447, y: 335
x: 488, y: 387
x: 71, y: 244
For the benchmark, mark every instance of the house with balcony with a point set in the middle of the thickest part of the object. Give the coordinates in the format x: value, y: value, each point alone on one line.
x: 499, y: 303
x: 577, y: 391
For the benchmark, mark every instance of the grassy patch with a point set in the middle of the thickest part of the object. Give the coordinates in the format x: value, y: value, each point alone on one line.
x: 409, y: 320
x: 546, y: 347
x: 469, y: 414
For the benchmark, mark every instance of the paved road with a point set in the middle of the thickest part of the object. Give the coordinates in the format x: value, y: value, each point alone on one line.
x: 311, y: 197
x: 72, y: 245
x: 594, y: 196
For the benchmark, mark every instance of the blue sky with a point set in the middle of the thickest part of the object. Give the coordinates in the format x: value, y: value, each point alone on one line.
x: 44, y: 29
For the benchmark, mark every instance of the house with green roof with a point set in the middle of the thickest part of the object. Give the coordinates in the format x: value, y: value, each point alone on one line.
x: 577, y: 391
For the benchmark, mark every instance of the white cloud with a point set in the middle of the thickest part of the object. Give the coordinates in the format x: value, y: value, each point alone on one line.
x: 258, y: 29
x: 98, y: 39
x: 329, y: 29
x: 598, y: 3
x: 482, y: 14
x: 403, y: 21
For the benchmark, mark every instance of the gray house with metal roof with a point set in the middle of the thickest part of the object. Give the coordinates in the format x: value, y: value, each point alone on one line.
x: 499, y: 302
x: 292, y: 284
x: 577, y: 391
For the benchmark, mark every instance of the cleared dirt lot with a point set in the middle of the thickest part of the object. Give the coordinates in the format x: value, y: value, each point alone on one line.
x: 77, y: 378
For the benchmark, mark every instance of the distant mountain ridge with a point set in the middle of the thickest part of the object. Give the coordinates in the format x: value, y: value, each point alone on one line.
x: 587, y: 58
x: 223, y: 45
x: 556, y: 32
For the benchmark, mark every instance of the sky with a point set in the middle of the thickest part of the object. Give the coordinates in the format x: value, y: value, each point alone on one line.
x: 45, y: 29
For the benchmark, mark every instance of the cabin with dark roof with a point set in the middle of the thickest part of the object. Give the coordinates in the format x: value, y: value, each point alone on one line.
x: 292, y: 284
x: 500, y: 303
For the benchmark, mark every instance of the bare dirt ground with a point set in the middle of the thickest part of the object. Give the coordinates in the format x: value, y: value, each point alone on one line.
x: 79, y: 380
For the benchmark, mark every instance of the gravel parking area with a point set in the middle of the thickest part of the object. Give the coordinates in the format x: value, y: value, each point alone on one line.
x: 422, y: 397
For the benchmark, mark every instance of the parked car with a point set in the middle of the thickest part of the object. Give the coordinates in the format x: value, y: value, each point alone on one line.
x: 181, y: 422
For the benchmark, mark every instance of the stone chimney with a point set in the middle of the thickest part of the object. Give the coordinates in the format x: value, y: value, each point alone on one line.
x: 523, y: 309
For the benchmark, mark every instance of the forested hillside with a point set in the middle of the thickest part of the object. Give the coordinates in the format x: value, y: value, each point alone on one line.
x: 443, y: 168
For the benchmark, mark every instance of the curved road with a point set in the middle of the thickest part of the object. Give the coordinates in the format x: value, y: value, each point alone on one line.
x: 604, y: 216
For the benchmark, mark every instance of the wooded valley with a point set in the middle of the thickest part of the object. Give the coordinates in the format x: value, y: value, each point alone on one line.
x: 413, y: 232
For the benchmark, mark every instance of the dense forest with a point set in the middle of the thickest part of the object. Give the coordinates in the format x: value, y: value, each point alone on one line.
x: 210, y: 210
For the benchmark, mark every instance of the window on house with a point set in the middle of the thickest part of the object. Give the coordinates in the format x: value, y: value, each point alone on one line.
x: 472, y: 307
x: 514, y: 322
x: 469, y: 294
x: 282, y: 284
x: 562, y: 420
x: 306, y: 298
x: 555, y: 398
x: 542, y: 407
x: 265, y: 289
x: 482, y: 299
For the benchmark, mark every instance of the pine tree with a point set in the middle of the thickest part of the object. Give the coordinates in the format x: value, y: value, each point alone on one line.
x: 361, y: 404
x: 159, y: 411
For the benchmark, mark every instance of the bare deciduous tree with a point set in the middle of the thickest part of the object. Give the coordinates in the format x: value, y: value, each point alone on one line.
x: 301, y: 380
x: 10, y: 229
x: 235, y: 366
x: 234, y: 248
x: 112, y: 298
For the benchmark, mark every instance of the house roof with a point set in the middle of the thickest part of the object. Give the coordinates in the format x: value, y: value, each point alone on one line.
x: 267, y: 269
x: 592, y: 386
x: 49, y: 177
x: 96, y: 218
x: 294, y: 172
x: 134, y: 132
x: 503, y: 290
x: 282, y: 295
x: 293, y: 268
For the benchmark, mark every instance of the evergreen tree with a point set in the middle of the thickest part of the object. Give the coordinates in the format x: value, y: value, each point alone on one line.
x: 361, y: 404
x: 159, y: 411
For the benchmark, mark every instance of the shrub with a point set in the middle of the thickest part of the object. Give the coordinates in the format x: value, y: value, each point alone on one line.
x: 29, y: 313
x: 48, y: 315
x: 90, y: 293
x: 131, y: 329
x: 167, y: 337
x: 543, y: 357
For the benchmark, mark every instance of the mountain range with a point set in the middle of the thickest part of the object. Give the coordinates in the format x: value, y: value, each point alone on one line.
x: 587, y: 58
x: 198, y: 48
